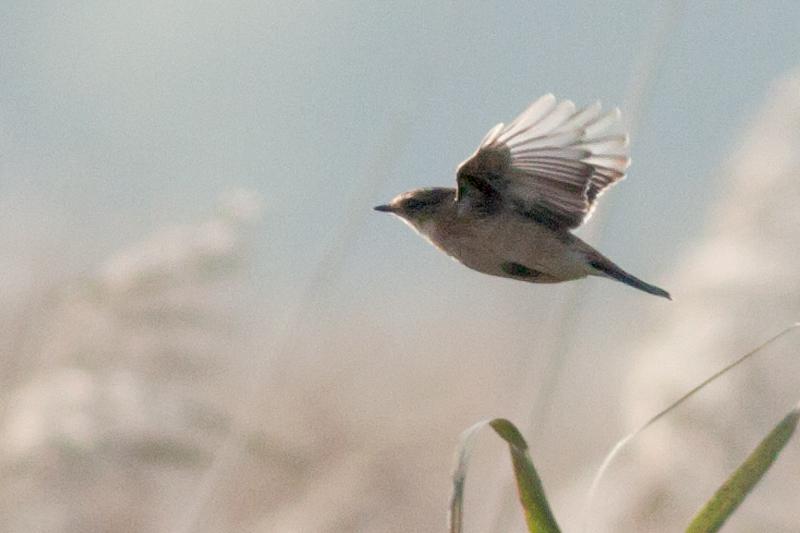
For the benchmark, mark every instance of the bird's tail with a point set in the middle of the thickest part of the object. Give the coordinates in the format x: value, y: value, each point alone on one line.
x: 607, y: 268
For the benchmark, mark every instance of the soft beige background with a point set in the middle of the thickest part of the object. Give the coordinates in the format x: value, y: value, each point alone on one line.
x: 206, y: 328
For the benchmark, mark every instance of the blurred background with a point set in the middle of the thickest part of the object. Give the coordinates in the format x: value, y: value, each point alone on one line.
x: 206, y: 328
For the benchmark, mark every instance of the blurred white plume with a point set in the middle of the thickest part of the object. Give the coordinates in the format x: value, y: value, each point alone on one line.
x: 737, y: 286
x: 121, y: 394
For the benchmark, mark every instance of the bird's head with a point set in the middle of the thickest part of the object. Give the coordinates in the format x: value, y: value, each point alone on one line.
x: 420, y: 205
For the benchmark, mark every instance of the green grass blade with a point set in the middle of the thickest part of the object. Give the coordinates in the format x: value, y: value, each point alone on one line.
x: 733, y: 492
x: 538, y: 515
x: 622, y: 443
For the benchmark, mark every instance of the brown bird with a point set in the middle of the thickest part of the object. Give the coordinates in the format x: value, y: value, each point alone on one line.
x: 529, y: 183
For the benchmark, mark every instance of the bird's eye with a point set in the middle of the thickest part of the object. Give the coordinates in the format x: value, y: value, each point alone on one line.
x: 413, y: 204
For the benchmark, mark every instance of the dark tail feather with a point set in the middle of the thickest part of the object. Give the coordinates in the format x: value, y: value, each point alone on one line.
x: 614, y: 272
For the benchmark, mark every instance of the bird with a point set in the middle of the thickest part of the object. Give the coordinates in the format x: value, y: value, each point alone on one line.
x: 517, y: 198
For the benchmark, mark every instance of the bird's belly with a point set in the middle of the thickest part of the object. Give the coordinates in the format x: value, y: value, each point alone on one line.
x: 515, y: 250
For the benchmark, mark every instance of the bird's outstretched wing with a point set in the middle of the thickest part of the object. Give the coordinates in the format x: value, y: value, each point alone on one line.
x: 551, y: 163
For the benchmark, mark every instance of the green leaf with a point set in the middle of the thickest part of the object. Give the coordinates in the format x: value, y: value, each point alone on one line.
x: 538, y: 515
x: 622, y: 443
x: 733, y: 492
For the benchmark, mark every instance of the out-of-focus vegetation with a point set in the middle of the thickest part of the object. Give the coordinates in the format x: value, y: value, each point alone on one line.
x: 167, y: 368
x: 538, y: 515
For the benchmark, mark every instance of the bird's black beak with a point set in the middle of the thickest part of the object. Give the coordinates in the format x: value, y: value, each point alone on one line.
x: 384, y: 208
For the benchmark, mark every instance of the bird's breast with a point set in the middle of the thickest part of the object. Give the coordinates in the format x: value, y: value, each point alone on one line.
x: 486, y: 244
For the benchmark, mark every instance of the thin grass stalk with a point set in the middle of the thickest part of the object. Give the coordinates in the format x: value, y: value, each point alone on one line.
x: 639, y: 88
x: 733, y: 492
x: 538, y: 515
x: 622, y: 443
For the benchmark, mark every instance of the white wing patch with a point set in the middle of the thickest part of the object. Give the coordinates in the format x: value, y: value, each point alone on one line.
x: 552, y: 159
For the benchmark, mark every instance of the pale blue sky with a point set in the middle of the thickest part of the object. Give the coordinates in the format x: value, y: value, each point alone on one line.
x: 117, y: 118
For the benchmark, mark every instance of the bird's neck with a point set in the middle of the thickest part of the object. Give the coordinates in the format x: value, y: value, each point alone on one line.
x: 432, y: 226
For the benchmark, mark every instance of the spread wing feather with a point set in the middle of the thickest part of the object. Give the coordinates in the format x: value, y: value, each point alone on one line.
x: 550, y: 163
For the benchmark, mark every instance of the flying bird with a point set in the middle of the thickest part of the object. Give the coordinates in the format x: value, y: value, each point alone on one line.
x: 518, y: 196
